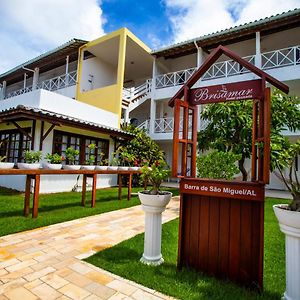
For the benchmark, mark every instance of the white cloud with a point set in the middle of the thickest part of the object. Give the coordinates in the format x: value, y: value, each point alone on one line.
x: 31, y: 27
x: 193, y: 18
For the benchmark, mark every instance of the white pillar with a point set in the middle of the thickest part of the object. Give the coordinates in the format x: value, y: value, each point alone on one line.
x: 152, y: 115
x: 67, y: 70
x: 3, y: 90
x: 257, y: 50
x: 200, y: 57
x: 35, y: 78
x: 126, y: 115
x: 25, y: 77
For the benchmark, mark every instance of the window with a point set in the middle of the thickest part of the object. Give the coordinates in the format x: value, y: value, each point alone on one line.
x: 14, y: 143
x: 64, y: 140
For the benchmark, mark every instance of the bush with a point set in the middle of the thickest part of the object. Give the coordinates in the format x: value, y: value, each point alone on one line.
x: 32, y: 157
x: 218, y: 165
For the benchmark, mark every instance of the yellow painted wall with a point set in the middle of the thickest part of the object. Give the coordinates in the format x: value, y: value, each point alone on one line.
x: 109, y: 97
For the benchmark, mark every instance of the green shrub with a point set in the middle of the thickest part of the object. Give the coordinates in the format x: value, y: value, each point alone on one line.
x: 218, y: 165
x: 32, y: 157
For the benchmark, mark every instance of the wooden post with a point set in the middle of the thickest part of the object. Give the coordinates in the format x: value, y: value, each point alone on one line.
x: 120, y: 187
x: 129, y: 187
x: 94, y: 190
x: 35, y: 210
x: 27, y: 196
x: 83, y: 193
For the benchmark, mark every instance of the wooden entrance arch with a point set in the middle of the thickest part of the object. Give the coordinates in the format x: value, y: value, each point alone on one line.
x: 221, y: 222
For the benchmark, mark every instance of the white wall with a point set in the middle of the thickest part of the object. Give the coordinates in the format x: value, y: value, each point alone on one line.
x: 103, y: 74
x: 60, y: 104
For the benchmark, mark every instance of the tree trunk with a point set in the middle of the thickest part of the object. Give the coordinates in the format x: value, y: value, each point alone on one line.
x: 242, y: 168
x: 295, y: 205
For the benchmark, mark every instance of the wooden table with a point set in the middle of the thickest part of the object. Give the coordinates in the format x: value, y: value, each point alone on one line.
x: 35, y: 176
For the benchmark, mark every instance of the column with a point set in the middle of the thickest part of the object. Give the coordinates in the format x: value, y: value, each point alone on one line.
x: 200, y: 57
x: 67, y: 71
x: 3, y: 90
x: 152, y: 115
x: 257, y: 50
x: 35, y: 78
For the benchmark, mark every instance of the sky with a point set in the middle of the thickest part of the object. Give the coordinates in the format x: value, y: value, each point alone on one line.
x: 32, y: 27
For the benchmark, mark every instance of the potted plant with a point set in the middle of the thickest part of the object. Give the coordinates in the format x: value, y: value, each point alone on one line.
x: 113, y: 166
x: 71, y: 155
x: 127, y: 159
x: 288, y: 216
x: 154, y: 202
x: 90, y: 163
x: 3, y: 164
x: 54, y: 161
x: 103, y: 165
x: 31, y: 160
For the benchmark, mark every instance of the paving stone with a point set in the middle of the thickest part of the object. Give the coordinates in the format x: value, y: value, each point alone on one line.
x: 17, y: 274
x: 122, y: 287
x: 21, y: 265
x: 119, y: 296
x: 78, y: 279
x: 7, y: 263
x: 39, y: 274
x: 44, y: 291
x: 20, y: 293
x: 99, y: 277
x: 80, y: 268
x: 32, y: 284
x: 54, y: 281
x: 100, y: 290
x: 139, y: 294
x: 74, y: 292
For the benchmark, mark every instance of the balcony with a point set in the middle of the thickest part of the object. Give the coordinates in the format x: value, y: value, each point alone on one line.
x: 52, y: 84
x: 269, y: 60
x: 166, y: 125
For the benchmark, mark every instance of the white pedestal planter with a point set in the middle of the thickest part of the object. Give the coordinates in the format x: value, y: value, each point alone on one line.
x: 6, y: 165
x: 153, y: 206
x: 289, y: 222
x: 72, y: 167
x: 52, y: 166
x: 88, y: 167
x: 101, y: 168
x: 28, y: 166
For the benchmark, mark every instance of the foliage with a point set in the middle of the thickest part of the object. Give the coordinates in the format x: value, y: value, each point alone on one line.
x: 155, y: 175
x: 54, y: 158
x: 114, y: 160
x: 287, y: 159
x: 32, y: 157
x: 230, y: 125
x: 218, y: 165
x: 91, y: 154
x: 2, y: 158
x: 123, y: 260
x: 71, y: 155
x: 140, y: 149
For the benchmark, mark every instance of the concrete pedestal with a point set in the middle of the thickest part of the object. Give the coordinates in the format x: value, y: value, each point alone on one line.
x: 289, y: 222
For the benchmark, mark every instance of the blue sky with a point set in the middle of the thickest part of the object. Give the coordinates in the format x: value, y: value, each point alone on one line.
x: 32, y: 27
x: 152, y: 28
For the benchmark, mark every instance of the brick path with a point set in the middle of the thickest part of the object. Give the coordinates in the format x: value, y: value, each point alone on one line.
x: 46, y: 263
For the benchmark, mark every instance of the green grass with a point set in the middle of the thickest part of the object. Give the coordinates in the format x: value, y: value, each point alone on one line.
x: 123, y: 259
x: 58, y: 207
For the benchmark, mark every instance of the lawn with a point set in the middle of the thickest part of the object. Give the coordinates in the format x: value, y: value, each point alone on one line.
x: 123, y: 259
x: 58, y: 207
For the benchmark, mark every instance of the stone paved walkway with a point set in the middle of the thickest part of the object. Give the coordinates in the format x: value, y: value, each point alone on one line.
x: 46, y: 263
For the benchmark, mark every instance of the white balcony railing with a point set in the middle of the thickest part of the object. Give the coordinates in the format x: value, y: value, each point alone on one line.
x: 174, y: 78
x: 145, y: 125
x: 59, y: 82
x: 51, y: 84
x: 280, y: 58
x: 273, y: 59
x: 166, y: 125
x: 19, y: 92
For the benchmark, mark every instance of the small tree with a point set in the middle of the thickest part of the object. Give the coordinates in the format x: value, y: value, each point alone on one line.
x: 218, y: 165
x: 230, y: 125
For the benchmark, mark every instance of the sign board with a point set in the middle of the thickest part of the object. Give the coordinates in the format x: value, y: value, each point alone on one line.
x: 223, y: 189
x: 243, y: 90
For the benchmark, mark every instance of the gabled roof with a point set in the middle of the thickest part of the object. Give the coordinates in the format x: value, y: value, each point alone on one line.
x: 22, y: 112
x: 212, y: 58
x: 46, y: 61
x: 279, y: 22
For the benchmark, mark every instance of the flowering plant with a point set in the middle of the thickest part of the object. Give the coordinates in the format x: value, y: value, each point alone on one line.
x: 32, y: 157
x: 155, y: 175
x: 91, y: 154
x: 71, y: 155
x: 54, y: 158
